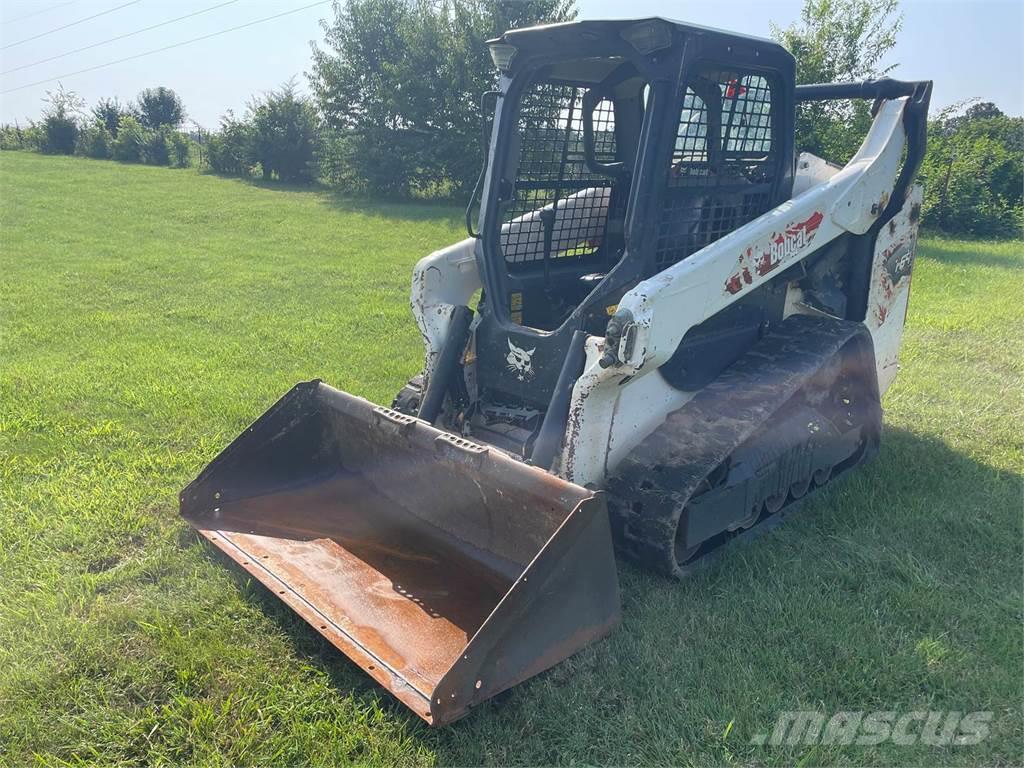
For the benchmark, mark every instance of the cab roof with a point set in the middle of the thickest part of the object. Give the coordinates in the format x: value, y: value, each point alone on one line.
x: 567, y: 35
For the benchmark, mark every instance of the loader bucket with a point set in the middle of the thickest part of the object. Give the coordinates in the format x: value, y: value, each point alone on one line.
x: 445, y: 569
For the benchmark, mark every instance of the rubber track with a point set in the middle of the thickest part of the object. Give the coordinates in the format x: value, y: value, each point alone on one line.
x: 649, y: 489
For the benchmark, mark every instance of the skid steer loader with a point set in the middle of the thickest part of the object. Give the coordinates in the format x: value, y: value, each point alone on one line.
x: 670, y: 327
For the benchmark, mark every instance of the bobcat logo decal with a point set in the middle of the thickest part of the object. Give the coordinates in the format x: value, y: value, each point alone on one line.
x: 520, y: 361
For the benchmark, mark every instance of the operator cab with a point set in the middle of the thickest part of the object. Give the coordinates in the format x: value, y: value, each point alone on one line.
x: 618, y: 149
x: 591, y: 110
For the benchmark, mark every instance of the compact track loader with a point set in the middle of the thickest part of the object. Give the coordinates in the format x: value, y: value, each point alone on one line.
x: 669, y: 328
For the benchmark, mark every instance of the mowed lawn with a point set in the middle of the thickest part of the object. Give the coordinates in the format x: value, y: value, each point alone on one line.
x: 148, y: 315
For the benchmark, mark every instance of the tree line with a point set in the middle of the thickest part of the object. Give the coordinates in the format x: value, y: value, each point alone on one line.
x: 393, y: 110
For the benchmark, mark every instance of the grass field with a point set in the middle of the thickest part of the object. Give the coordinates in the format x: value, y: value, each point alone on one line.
x: 149, y: 315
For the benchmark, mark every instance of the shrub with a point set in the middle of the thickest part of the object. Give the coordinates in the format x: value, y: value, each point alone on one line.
x: 180, y: 149
x: 94, y: 141
x: 109, y: 112
x: 973, y: 173
x: 59, y: 135
x: 285, y: 136
x: 155, y: 150
x: 15, y: 137
x: 332, y: 159
x: 130, y: 142
x: 60, y: 121
x: 230, y: 150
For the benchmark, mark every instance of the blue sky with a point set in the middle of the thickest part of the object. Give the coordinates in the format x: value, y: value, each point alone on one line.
x: 968, y: 48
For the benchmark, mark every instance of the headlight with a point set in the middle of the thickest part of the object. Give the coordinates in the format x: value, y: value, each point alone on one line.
x: 502, y: 54
x: 648, y: 36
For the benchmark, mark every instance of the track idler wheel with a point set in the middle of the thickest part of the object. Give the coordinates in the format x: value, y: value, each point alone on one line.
x: 774, y: 503
x: 799, y: 489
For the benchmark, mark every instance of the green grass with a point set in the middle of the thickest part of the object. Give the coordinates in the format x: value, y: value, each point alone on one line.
x: 149, y: 315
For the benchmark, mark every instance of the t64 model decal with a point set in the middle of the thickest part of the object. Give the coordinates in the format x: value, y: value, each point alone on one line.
x: 780, y: 248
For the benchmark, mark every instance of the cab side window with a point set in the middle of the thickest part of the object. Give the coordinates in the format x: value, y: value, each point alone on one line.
x: 724, y: 164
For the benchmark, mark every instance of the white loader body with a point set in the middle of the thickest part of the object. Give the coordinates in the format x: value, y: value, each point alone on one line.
x: 614, y: 408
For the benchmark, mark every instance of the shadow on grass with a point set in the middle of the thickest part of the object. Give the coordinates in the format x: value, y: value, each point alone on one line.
x: 919, y: 518
x: 411, y: 209
x: 967, y: 253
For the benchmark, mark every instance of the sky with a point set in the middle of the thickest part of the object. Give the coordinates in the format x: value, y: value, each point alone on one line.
x: 970, y: 49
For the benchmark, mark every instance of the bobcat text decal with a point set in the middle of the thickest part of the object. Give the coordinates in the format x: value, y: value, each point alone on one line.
x: 780, y: 248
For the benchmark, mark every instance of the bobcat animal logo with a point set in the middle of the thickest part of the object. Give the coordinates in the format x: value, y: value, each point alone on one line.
x: 520, y: 361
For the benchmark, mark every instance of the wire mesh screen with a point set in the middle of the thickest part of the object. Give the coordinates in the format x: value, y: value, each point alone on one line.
x: 746, y: 116
x: 560, y: 207
x: 723, y: 165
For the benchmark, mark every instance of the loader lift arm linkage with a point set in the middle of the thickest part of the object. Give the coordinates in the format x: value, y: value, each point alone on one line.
x: 684, y: 326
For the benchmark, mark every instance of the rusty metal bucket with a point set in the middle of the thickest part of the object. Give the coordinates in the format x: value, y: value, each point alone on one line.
x: 447, y: 570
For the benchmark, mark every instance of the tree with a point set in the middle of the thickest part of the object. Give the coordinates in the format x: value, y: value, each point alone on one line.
x: 108, y: 112
x: 285, y: 134
x: 159, y: 107
x: 129, y: 146
x: 839, y: 41
x: 973, y: 109
x: 973, y: 171
x: 61, y: 121
x: 230, y: 150
x: 981, y: 110
x: 94, y: 141
x: 400, y: 81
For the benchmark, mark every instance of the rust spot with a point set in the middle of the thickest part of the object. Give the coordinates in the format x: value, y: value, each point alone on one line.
x: 746, y: 276
x: 881, y: 313
x: 733, y: 284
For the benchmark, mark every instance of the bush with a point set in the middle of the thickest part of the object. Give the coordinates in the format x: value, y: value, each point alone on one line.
x: 14, y: 137
x: 381, y: 162
x: 973, y: 173
x: 60, y: 121
x: 60, y: 133
x: 180, y: 149
x: 155, y: 150
x: 94, y: 141
x: 332, y: 159
x: 285, y: 137
x: 230, y: 150
x: 129, y: 145
x: 109, y: 112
